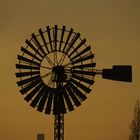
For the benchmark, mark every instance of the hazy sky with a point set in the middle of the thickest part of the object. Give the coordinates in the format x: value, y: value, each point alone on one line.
x: 111, y: 27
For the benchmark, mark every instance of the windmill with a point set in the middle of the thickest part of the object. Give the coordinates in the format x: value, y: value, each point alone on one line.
x: 56, y: 70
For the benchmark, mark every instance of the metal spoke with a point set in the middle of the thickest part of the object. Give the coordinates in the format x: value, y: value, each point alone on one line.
x: 68, y: 70
x: 66, y: 65
x: 68, y: 74
x: 47, y: 74
x: 61, y: 59
x: 53, y: 84
x: 49, y: 61
x: 50, y: 80
x: 46, y: 67
x: 55, y: 58
x: 64, y: 56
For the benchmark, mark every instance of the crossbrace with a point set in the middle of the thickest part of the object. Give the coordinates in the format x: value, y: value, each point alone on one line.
x: 59, y: 127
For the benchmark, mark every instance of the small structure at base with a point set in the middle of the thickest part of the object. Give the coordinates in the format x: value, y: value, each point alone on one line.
x: 40, y: 137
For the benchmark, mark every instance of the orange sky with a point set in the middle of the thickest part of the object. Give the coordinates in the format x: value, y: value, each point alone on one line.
x: 111, y: 27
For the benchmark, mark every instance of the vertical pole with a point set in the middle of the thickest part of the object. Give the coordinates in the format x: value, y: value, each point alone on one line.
x: 59, y: 122
x: 59, y: 127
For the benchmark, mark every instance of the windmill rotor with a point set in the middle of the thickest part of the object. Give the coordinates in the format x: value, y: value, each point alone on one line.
x: 55, y: 55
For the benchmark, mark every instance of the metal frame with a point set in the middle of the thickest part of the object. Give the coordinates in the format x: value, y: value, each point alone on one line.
x: 59, y: 127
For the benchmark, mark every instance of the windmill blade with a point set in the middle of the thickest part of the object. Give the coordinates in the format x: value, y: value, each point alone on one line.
x: 62, y: 36
x: 30, y: 86
x: 82, y: 52
x: 43, y: 39
x: 81, y: 86
x: 89, y: 73
x: 38, y: 96
x: 33, y: 92
x: 20, y: 66
x: 30, y: 54
x: 43, y: 99
x: 58, y: 104
x: 68, y: 38
x: 67, y: 99
x: 49, y: 36
x: 28, y: 80
x: 72, y: 95
x: 32, y: 46
x: 84, y: 58
x: 72, y: 42
x: 22, y: 74
x: 21, y: 58
x: 90, y: 65
x: 38, y: 44
x: 80, y: 44
x: 49, y: 103
x: 88, y: 81
x: 77, y: 92
x: 55, y: 37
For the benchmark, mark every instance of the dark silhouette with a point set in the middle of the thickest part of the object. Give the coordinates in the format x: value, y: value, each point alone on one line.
x: 118, y: 73
x: 135, y: 126
x: 56, y: 70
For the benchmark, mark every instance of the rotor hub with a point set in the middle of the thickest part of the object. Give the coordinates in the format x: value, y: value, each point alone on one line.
x: 58, y: 70
x: 59, y: 74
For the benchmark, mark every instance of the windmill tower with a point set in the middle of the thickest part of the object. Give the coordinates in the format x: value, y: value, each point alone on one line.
x: 56, y: 70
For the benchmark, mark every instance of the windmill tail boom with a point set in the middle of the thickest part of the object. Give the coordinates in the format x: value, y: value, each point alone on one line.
x: 118, y: 73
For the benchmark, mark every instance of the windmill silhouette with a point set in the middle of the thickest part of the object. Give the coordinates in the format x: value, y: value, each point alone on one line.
x: 56, y: 70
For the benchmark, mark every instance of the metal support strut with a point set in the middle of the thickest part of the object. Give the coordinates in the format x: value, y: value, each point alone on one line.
x: 59, y: 78
x: 59, y: 117
x: 59, y: 127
